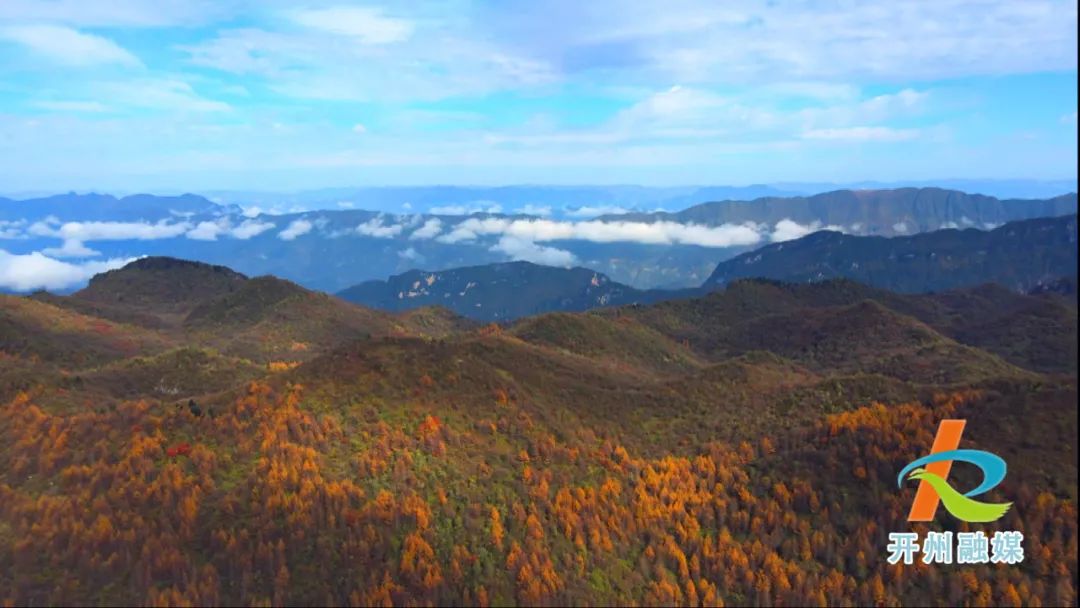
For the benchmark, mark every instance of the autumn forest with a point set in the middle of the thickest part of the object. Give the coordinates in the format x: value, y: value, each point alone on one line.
x: 249, y: 442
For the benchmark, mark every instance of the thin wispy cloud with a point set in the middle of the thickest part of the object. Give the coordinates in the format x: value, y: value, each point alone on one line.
x: 68, y: 46
x: 368, y: 25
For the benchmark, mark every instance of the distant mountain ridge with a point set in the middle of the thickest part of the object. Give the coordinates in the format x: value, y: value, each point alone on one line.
x: 1019, y: 255
x: 500, y: 292
x: 106, y: 207
x: 873, y: 212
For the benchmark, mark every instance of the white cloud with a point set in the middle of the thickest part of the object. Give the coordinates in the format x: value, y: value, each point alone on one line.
x: 71, y: 249
x: 858, y: 134
x: 787, y: 230
x: 359, y: 129
x: 367, y: 25
x: 431, y: 228
x: 37, y: 271
x: 210, y: 231
x: 68, y: 46
x: 294, y: 229
x: 1069, y: 119
x: 900, y: 227
x: 657, y: 233
x: 523, y: 249
x: 109, y: 231
x: 375, y: 228
x: 248, y: 229
x: 207, y: 231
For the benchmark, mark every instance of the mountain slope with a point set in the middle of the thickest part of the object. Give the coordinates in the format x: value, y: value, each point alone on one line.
x: 621, y: 342
x: 1034, y: 332
x: 68, y: 339
x: 1018, y: 255
x: 268, y: 318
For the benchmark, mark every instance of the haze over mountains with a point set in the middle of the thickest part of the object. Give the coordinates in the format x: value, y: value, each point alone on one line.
x: 66, y: 239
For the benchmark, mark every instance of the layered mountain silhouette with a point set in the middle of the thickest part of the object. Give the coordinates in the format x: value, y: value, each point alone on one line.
x: 1037, y: 254
x: 334, y: 249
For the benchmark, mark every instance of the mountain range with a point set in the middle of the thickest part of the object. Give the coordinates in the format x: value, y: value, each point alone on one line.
x: 181, y: 433
x: 1021, y: 256
x: 331, y: 250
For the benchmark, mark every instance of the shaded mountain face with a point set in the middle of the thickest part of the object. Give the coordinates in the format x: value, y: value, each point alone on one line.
x: 501, y: 292
x: 740, y: 447
x: 1019, y: 255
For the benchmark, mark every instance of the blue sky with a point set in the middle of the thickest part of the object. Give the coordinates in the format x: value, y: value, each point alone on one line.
x: 230, y: 94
